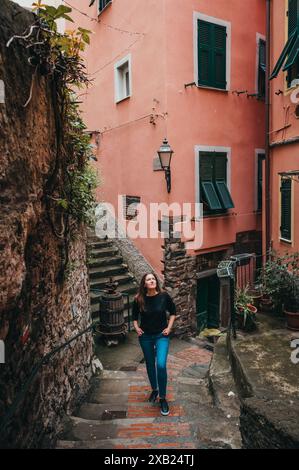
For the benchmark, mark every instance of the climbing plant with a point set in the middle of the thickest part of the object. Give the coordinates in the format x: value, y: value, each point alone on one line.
x: 70, y: 188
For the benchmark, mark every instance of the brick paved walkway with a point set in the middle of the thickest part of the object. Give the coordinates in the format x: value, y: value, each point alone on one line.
x: 174, y: 427
x: 118, y: 416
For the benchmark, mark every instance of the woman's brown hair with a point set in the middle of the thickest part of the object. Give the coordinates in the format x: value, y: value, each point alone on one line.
x: 142, y: 291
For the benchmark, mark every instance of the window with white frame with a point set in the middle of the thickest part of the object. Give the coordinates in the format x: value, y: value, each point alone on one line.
x: 213, y: 179
x: 286, y: 209
x: 261, y: 72
x: 260, y: 157
x: 212, y: 52
x: 123, y: 79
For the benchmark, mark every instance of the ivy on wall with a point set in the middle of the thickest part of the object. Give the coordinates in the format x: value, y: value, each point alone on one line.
x: 70, y: 188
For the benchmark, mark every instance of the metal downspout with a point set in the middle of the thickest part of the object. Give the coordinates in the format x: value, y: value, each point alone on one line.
x: 267, y: 160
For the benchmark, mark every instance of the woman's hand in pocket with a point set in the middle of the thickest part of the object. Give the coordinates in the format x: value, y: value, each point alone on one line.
x: 139, y: 331
x: 166, y: 332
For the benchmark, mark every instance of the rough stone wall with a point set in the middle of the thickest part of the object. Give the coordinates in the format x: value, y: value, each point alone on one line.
x: 269, y: 424
x: 180, y: 282
x: 38, y: 310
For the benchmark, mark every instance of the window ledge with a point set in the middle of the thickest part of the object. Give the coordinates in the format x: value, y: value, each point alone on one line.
x: 284, y: 240
x: 204, y: 87
x: 122, y: 99
x: 214, y: 216
x: 218, y: 216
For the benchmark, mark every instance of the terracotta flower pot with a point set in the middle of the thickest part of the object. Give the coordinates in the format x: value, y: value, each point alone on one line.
x: 266, y: 304
x: 292, y: 320
x: 257, y: 300
x: 250, y: 323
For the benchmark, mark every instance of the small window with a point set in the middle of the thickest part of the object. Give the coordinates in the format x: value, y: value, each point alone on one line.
x: 215, y: 194
x: 131, y: 207
x: 262, y: 70
x: 123, y: 86
x: 260, y: 159
x: 103, y: 4
x: 286, y: 209
x: 212, y: 39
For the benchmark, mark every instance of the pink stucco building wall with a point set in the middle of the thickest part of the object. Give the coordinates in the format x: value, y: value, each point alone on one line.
x: 284, y: 126
x: 160, y: 38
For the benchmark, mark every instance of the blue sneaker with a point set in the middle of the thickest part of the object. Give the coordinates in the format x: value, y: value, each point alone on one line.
x: 164, y: 407
x: 153, y: 396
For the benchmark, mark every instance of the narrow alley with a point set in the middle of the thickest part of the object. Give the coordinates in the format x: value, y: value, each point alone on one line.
x: 118, y: 416
x: 149, y: 226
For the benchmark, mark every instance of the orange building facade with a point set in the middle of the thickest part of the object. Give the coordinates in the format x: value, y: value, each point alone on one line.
x: 193, y: 72
x: 284, y: 126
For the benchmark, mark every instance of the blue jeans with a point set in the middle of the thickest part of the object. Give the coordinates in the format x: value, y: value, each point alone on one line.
x: 155, y: 350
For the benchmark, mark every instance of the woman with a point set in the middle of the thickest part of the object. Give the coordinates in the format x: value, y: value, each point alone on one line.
x: 150, y: 306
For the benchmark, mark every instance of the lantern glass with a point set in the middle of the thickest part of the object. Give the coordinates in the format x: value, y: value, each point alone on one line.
x: 165, y: 153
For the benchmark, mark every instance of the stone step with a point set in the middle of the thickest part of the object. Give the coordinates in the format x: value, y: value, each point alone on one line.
x: 102, y: 281
x: 107, y: 271
x: 120, y: 399
x: 221, y: 382
x: 102, y: 412
x: 151, y: 443
x: 107, y: 261
x: 113, y: 374
x: 89, y: 430
x: 99, y: 244
x: 197, y: 371
x: 104, y: 252
x: 109, y: 386
x: 189, y: 384
x: 211, y: 427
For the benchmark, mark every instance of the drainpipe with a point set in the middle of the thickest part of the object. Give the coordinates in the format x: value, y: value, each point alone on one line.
x: 267, y: 146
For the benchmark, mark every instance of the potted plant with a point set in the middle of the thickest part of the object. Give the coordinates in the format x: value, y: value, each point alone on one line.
x: 245, y: 310
x: 256, y: 293
x: 281, y: 284
x: 272, y: 279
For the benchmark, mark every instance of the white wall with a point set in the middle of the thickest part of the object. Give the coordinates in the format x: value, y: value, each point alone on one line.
x: 55, y: 3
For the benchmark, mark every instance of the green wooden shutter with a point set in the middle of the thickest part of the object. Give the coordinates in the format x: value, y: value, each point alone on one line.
x: 220, y: 166
x: 260, y: 181
x: 219, y: 56
x: 262, y: 69
x: 206, y: 166
x: 224, y: 195
x: 292, y: 16
x: 210, y: 195
x: 204, y: 53
x: 220, y: 179
x: 292, y: 66
x: 287, y: 48
x: 291, y: 46
x: 208, y: 191
x: 211, y: 55
x: 286, y: 209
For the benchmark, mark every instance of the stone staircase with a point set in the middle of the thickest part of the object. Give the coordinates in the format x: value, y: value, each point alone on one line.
x: 104, y: 262
x: 116, y: 414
